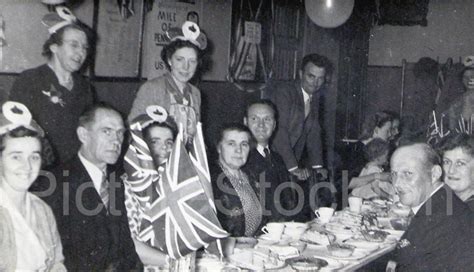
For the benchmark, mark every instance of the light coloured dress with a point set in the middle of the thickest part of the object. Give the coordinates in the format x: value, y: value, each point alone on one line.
x: 461, y: 110
x: 29, y: 243
x: 366, y: 191
x: 163, y: 91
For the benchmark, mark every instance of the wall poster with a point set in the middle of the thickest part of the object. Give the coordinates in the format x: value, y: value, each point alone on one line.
x: 119, y: 39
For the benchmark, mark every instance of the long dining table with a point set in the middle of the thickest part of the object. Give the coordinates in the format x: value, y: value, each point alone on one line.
x: 313, y: 246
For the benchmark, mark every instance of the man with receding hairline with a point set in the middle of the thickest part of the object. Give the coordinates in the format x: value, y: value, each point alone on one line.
x: 265, y: 163
x: 89, y: 202
x: 439, y: 237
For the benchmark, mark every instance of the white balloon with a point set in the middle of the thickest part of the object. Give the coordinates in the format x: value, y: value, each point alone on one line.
x: 329, y: 13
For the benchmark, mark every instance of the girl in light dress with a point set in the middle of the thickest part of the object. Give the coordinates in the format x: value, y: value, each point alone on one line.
x: 376, y: 152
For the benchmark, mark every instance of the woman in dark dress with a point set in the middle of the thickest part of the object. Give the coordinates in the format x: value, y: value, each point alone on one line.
x: 236, y: 198
x: 55, y: 92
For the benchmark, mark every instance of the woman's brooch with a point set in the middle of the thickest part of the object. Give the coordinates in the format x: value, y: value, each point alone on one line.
x: 54, y: 96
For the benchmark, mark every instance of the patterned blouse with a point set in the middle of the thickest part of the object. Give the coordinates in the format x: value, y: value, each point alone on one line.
x: 250, y: 202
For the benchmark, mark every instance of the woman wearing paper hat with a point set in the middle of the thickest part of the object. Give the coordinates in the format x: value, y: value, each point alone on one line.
x: 29, y: 239
x: 54, y: 92
x: 172, y: 90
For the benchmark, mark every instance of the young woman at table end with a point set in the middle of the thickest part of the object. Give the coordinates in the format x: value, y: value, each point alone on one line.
x: 29, y: 239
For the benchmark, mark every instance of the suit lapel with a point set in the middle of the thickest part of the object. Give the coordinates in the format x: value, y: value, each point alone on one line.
x: 90, y: 196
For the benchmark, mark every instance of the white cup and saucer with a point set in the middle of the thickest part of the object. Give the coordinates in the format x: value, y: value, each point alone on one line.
x: 324, y: 214
x: 273, y: 231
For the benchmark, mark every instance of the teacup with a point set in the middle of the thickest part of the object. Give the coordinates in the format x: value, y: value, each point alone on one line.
x: 324, y: 214
x: 274, y: 230
x: 228, y: 246
x: 301, y: 246
x: 295, y: 229
x: 355, y: 204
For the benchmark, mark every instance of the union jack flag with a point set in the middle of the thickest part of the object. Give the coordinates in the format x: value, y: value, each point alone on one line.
x: 178, y: 212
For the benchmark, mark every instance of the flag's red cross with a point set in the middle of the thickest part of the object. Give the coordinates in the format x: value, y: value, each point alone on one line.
x: 181, y: 220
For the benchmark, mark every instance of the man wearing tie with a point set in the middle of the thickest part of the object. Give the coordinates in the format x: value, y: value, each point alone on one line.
x: 298, y: 135
x: 266, y: 164
x: 89, y: 201
x: 298, y: 129
x: 439, y: 236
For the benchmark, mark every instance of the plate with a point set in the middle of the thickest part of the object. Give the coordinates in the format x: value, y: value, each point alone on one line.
x: 332, y: 264
x: 253, y: 260
x: 315, y: 237
x: 371, y: 246
x: 245, y: 242
x: 356, y: 255
x: 266, y: 241
x: 396, y: 233
x: 306, y: 263
x: 284, y: 240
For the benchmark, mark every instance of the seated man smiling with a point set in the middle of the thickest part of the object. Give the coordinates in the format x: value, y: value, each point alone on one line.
x: 439, y: 237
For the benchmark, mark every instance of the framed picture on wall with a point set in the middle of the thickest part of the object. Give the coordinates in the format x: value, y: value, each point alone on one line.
x: 119, y: 31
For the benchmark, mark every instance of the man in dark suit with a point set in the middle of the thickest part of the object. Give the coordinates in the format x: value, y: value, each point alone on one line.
x: 89, y: 201
x: 439, y: 237
x: 266, y: 164
x: 298, y: 116
x: 298, y: 137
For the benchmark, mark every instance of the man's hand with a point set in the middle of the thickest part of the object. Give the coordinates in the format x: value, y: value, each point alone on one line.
x: 300, y: 173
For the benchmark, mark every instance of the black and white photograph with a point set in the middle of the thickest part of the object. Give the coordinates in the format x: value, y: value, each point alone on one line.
x: 236, y: 135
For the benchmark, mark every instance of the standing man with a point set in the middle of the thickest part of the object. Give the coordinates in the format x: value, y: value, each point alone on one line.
x: 298, y: 135
x: 439, y: 237
x: 265, y: 163
x: 89, y: 202
x: 298, y: 123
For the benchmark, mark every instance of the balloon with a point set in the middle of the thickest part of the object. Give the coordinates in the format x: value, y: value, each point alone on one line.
x: 329, y: 13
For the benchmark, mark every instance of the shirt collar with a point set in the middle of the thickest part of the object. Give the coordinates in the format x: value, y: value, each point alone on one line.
x: 94, y: 172
x: 306, y: 96
x: 261, y: 149
x: 417, y: 208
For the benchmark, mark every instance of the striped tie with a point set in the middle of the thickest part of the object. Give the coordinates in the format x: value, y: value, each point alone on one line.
x: 104, y: 190
x: 268, y: 156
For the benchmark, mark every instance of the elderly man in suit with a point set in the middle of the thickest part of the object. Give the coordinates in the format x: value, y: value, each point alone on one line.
x: 89, y: 201
x: 265, y: 163
x: 439, y: 237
